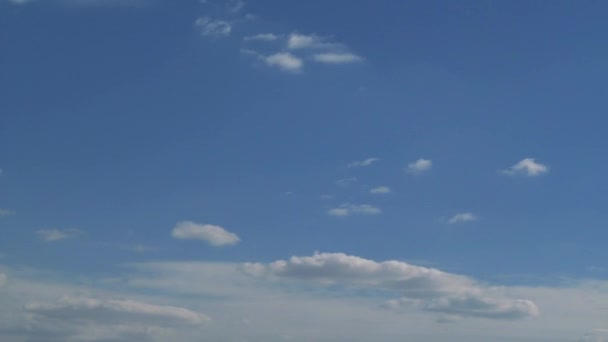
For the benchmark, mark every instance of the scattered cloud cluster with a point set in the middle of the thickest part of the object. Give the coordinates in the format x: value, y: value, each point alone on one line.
x: 348, y: 209
x: 462, y: 217
x: 214, y: 235
x: 295, y: 48
x: 53, y: 235
x: 419, y: 166
x: 527, y: 167
x: 424, y: 288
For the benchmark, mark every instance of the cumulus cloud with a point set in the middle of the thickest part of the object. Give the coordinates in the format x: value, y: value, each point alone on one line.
x: 214, y: 235
x: 419, y: 166
x: 380, y: 190
x: 53, y: 235
x: 337, y: 58
x: 284, y: 61
x: 268, y: 37
x: 426, y: 288
x: 462, y: 217
x: 365, y: 162
x: 6, y: 212
x: 348, y: 209
x: 527, y: 167
x: 213, y: 28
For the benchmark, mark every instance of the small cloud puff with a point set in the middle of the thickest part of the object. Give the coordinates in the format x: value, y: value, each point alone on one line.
x: 527, y: 167
x: 214, y: 235
x: 419, y: 166
x: 284, y: 61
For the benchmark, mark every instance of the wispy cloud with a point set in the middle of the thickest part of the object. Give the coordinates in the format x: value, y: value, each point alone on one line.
x: 380, y: 190
x: 419, y: 166
x: 284, y: 61
x: 6, y: 212
x: 268, y: 37
x: 462, y: 217
x: 53, y: 235
x: 365, y: 162
x: 235, y: 6
x: 213, y: 28
x: 527, y: 167
x: 301, y: 41
x: 326, y: 197
x: 346, y: 182
x: 337, y: 58
x: 214, y: 235
x: 348, y: 209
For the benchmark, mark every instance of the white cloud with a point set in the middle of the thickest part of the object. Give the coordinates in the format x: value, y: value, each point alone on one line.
x: 462, y: 217
x: 419, y: 166
x: 52, y: 235
x: 329, y: 297
x: 262, y: 37
x: 424, y: 288
x: 337, y: 58
x: 284, y: 61
x: 6, y: 212
x: 528, y: 167
x: 365, y: 162
x: 213, y: 28
x: 348, y: 209
x: 3, y: 278
x: 214, y: 235
x: 380, y: 190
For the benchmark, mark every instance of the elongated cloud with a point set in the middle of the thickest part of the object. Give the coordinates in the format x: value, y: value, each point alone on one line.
x: 462, y: 217
x: 268, y: 37
x: 425, y: 288
x: 380, y: 190
x: 337, y: 58
x: 53, y: 235
x: 348, y: 209
x: 113, y: 311
x: 364, y: 162
x: 214, y: 235
x: 527, y: 167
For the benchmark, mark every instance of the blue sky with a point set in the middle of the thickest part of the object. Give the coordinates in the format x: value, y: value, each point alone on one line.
x: 147, y: 147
